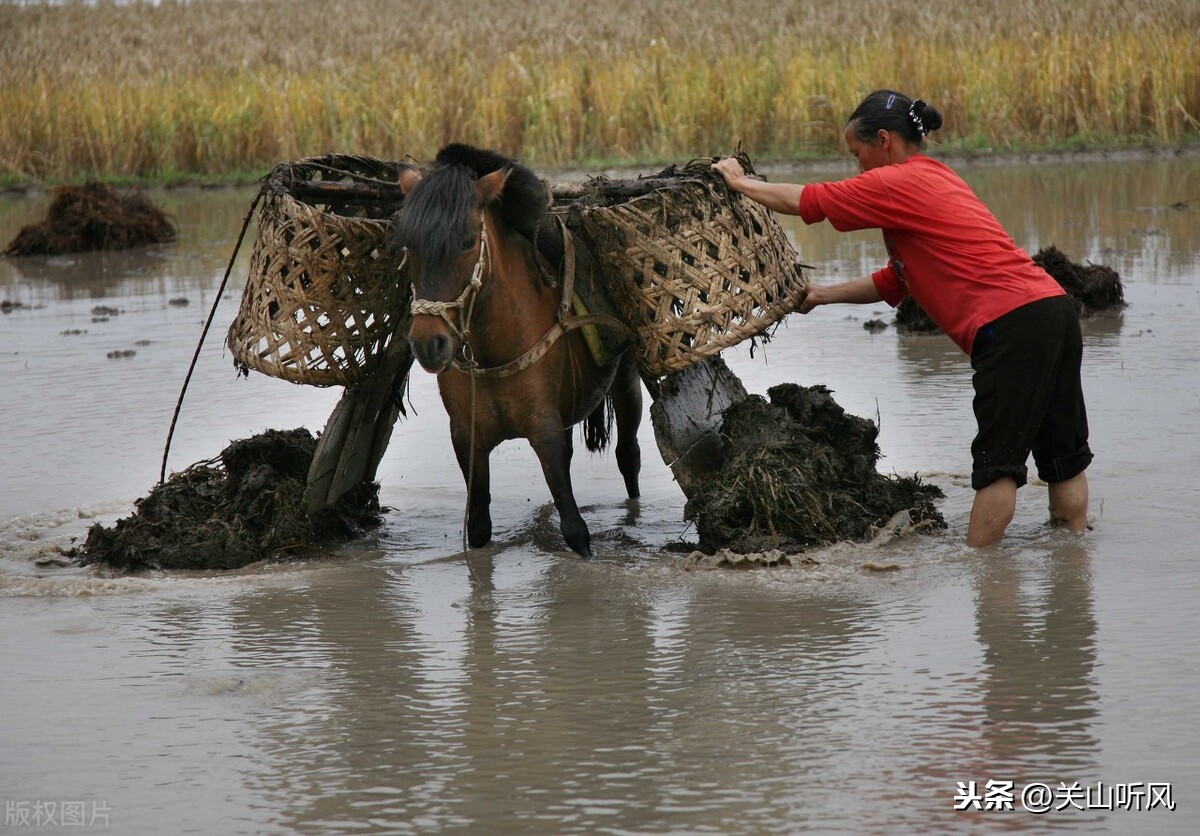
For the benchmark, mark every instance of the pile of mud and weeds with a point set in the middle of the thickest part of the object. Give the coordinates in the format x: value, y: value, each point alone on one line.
x: 244, y: 506
x: 1093, y: 287
x: 800, y: 472
x: 93, y: 217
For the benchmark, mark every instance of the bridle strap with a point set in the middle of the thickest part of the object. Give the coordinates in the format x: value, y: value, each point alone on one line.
x: 465, y: 303
x: 539, y: 349
x: 565, y: 323
x: 466, y: 300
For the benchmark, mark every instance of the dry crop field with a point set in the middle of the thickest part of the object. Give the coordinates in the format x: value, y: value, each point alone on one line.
x: 218, y: 87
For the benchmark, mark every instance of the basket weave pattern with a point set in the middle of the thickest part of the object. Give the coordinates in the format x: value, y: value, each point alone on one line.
x: 694, y: 269
x: 323, y: 298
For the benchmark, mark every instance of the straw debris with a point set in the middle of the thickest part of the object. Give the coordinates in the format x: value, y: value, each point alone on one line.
x: 800, y: 472
x: 244, y: 506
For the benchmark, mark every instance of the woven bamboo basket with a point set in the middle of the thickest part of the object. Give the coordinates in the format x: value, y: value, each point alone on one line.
x: 693, y: 267
x: 323, y: 298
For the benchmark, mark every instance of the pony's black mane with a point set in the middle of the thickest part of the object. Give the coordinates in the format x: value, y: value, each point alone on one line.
x: 524, y: 200
x: 435, y: 211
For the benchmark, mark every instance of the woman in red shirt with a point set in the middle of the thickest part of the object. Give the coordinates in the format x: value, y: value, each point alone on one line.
x: 950, y: 253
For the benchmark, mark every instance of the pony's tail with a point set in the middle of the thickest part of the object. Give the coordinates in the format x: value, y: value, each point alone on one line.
x: 597, y: 427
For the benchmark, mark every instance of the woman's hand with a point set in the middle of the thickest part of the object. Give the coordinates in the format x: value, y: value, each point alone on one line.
x: 778, y: 197
x: 731, y: 170
x: 813, y: 296
x: 859, y: 292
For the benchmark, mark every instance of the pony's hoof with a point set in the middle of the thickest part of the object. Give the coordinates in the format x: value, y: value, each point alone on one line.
x: 582, y: 546
x: 577, y: 537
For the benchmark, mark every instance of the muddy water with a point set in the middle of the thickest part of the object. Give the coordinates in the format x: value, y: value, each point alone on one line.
x: 395, y: 687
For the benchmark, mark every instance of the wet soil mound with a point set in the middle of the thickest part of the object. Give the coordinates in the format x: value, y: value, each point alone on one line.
x: 800, y: 472
x: 1093, y: 287
x: 244, y: 506
x: 93, y: 217
x: 912, y: 319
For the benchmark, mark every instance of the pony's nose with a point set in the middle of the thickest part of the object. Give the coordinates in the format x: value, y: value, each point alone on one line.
x: 439, y: 346
x: 433, y: 352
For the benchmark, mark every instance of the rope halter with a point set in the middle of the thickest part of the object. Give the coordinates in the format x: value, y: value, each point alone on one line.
x: 466, y: 300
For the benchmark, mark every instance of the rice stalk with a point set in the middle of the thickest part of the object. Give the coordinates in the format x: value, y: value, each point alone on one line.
x: 227, y: 86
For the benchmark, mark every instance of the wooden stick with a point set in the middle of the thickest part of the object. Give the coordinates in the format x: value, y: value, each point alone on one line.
x: 320, y: 191
x: 615, y: 189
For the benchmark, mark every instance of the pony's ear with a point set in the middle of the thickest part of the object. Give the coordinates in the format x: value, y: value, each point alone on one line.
x: 408, y: 178
x: 491, y: 185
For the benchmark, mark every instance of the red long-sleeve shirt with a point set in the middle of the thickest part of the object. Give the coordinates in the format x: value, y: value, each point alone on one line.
x: 945, y: 246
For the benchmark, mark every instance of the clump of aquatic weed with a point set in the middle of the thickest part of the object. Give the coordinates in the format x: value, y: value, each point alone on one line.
x: 244, y: 506
x: 800, y: 472
x: 93, y: 217
x: 1093, y: 287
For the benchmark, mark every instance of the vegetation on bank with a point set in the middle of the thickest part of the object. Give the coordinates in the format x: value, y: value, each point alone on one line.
x: 216, y: 88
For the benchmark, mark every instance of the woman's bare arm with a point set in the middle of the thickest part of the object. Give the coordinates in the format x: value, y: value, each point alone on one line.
x: 778, y: 197
x: 857, y: 291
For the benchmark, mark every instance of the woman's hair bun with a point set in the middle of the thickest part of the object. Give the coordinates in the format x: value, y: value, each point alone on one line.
x: 930, y: 116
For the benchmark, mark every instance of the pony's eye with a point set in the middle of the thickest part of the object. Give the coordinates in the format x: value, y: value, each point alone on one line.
x: 469, y: 243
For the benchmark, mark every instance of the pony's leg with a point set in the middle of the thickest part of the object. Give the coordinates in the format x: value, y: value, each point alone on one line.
x: 479, y: 514
x: 552, y: 448
x: 627, y: 407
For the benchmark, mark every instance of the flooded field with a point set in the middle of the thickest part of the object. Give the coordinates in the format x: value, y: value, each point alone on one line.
x: 396, y: 686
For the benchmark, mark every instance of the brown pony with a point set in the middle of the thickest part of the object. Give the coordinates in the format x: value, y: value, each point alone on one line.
x: 467, y: 229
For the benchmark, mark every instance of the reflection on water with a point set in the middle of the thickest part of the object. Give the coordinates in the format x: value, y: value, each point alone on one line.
x: 551, y: 694
x: 1038, y: 630
x: 396, y: 687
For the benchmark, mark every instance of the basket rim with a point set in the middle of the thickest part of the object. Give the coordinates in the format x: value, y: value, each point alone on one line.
x: 282, y: 178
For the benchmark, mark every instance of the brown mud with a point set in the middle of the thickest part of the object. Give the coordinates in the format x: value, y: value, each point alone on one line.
x: 93, y: 217
x: 244, y: 506
x: 1093, y: 288
x: 801, y: 472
